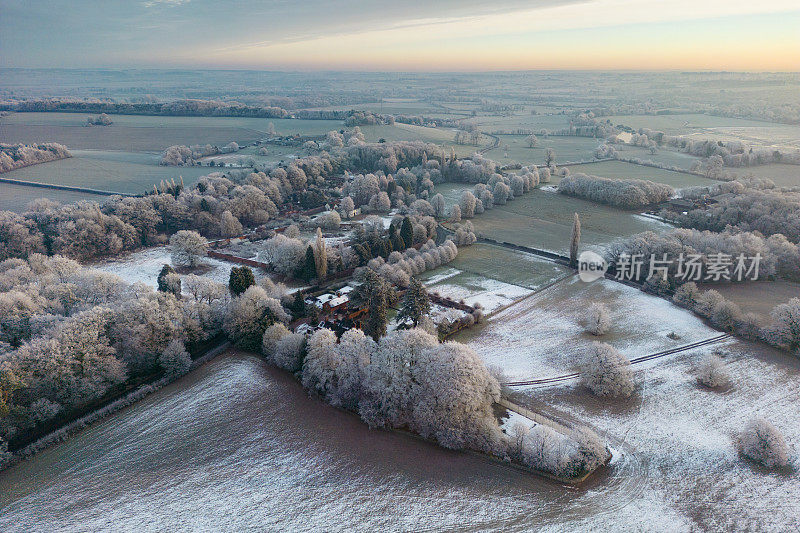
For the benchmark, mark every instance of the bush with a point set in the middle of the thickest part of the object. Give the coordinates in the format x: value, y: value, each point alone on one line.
x: 712, y: 373
x: 763, y: 443
x: 608, y: 372
x: 188, y: 248
x: 597, y: 320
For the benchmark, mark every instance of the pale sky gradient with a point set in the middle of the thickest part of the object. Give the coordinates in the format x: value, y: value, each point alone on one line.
x: 402, y: 35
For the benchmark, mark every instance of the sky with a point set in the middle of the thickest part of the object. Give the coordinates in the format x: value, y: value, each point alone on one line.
x: 403, y: 35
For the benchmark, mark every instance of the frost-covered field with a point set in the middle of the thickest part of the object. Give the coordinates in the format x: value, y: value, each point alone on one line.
x: 490, y: 293
x: 541, y: 336
x: 682, y: 436
x: 143, y: 266
x: 679, y: 437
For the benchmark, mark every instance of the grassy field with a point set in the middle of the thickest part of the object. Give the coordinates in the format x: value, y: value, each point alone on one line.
x: 717, y: 128
x: 527, y: 121
x: 136, y: 133
x: 623, y: 170
x: 505, y: 265
x: 663, y: 156
x: 681, y: 123
x: 568, y: 149
x: 110, y: 171
x: 282, y: 126
x: 543, y: 219
x: 452, y: 191
x: 783, y: 175
x: 408, y: 132
x: 758, y: 297
x: 16, y: 197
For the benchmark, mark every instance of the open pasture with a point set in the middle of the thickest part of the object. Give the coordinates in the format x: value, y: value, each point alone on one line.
x: 623, y: 170
x: 543, y: 219
x: 758, y: 297
x: 568, y: 149
x: 783, y: 175
x: 141, y: 133
x: 663, y: 156
x: 683, y: 123
x: 504, y: 265
x: 452, y: 192
x: 515, y: 122
x: 475, y: 288
x: 409, y: 132
x: 125, y: 172
x: 15, y: 197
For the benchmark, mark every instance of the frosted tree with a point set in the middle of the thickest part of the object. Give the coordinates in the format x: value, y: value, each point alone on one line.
x: 320, y: 256
x: 575, y: 241
x: 289, y: 352
x: 439, y: 206
x: 229, y: 225
x: 250, y: 315
x: 607, y: 372
x: 347, y: 206
x: 597, y: 319
x: 187, y: 248
x: 175, y: 360
x: 468, y: 203
x: 785, y: 329
x: 321, y: 361
x: 455, y: 214
x: 273, y: 334
x: 549, y: 158
x: 532, y: 141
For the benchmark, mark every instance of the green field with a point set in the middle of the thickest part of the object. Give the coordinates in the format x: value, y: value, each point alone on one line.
x: 682, y: 123
x: 758, y: 297
x: 123, y: 172
x: 783, y: 175
x: 508, y: 266
x: 283, y: 126
x: 568, y: 149
x: 16, y: 197
x: 408, y: 132
x: 663, y: 156
x: 138, y: 133
x: 623, y: 170
x: 527, y: 121
x: 543, y: 219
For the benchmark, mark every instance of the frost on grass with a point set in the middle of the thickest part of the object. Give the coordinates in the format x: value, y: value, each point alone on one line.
x: 607, y: 372
x: 763, y: 443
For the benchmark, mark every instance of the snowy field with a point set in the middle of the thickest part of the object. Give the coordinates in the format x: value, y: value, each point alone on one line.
x: 472, y: 288
x: 688, y: 473
x: 541, y: 336
x: 143, y: 266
